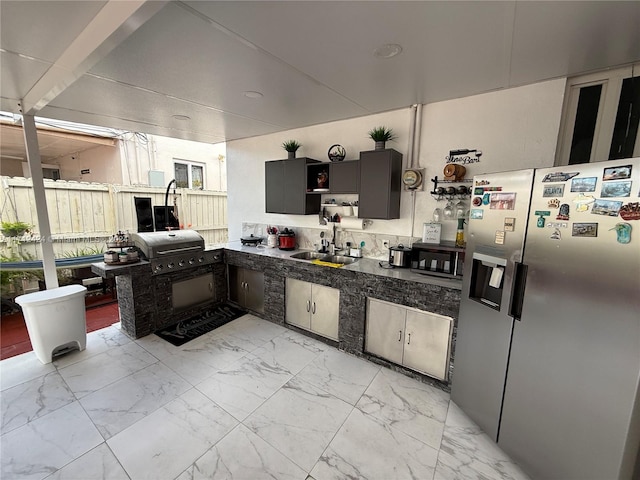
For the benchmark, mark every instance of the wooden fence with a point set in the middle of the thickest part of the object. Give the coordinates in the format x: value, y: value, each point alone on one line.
x: 83, y: 215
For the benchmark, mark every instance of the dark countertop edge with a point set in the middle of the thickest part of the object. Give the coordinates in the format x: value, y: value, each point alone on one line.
x: 107, y: 271
x: 367, y: 266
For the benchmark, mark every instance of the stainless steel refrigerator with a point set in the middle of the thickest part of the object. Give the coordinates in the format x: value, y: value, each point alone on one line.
x: 547, y: 357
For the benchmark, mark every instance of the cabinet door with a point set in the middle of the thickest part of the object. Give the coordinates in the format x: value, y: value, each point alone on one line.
x: 385, y: 330
x: 274, y: 186
x: 428, y: 343
x: 254, y: 290
x: 298, y: 303
x: 380, y: 182
x: 325, y: 307
x: 344, y: 176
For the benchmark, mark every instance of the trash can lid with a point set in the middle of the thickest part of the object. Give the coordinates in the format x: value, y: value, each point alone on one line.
x: 51, y: 295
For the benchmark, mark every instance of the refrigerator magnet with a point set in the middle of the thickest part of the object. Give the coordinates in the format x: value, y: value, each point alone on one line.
x: 556, y: 235
x: 630, y: 211
x: 609, y: 208
x: 584, y: 230
x: 476, y: 214
x: 541, y: 214
x: 616, y: 189
x: 553, y: 203
x: 623, y: 232
x: 477, y: 201
x: 584, y: 184
x: 553, y: 191
x: 499, y: 239
x: 563, y: 214
x: 509, y: 224
x: 617, y: 173
x: 559, y: 176
x: 583, y: 201
x: 502, y: 201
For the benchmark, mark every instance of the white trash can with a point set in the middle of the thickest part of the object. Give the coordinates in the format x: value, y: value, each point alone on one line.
x: 55, y: 319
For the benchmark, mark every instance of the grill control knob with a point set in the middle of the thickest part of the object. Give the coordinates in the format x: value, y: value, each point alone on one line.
x: 192, y: 261
x: 201, y: 259
x: 181, y: 263
x: 171, y: 265
x: 159, y: 267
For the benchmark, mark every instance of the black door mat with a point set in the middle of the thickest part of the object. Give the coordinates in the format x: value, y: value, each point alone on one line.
x: 186, y: 330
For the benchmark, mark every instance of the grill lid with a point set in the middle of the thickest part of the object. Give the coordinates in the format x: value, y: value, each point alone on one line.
x: 173, y: 242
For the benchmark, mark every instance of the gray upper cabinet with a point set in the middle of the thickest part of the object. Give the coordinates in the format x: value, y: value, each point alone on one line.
x: 286, y: 187
x: 380, y: 184
x: 344, y: 176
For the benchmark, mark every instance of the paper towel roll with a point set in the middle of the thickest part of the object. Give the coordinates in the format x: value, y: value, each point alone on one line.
x: 352, y: 223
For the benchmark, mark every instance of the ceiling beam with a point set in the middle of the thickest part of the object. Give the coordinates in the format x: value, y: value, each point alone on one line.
x: 110, y: 27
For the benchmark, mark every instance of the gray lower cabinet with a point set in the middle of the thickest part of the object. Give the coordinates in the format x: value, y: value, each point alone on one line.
x: 313, y: 307
x: 413, y: 338
x: 246, y: 288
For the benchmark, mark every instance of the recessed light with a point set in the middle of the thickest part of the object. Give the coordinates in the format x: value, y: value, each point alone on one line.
x: 387, y: 51
x: 182, y: 118
x: 252, y: 94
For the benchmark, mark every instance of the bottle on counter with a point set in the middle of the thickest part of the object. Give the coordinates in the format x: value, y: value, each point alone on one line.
x: 460, y: 233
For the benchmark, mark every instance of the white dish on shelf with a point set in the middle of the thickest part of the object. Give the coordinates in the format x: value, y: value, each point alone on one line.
x: 320, y: 189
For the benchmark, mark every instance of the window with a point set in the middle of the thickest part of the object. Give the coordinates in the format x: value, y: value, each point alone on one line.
x: 189, y: 175
x: 600, y: 117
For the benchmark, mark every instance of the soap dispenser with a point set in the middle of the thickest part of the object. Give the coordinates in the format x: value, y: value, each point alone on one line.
x: 460, y: 233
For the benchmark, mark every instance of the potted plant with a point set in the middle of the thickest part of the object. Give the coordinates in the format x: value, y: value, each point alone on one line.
x: 291, y: 146
x: 14, y: 229
x: 381, y: 135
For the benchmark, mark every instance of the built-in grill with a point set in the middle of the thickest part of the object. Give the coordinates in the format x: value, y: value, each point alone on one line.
x: 174, y: 250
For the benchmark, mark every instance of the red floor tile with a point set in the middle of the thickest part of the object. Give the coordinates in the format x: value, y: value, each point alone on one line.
x: 14, y: 338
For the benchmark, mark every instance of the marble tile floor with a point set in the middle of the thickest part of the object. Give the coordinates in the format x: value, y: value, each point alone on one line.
x: 250, y: 400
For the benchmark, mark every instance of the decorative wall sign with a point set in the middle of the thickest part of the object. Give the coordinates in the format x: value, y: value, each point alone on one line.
x: 617, y: 173
x: 502, y: 201
x: 616, y: 189
x: 630, y: 211
x: 606, y: 207
x: 553, y: 191
x: 563, y: 214
x: 583, y: 201
x: 555, y: 203
x: 584, y: 230
x: 623, y: 232
x: 559, y: 176
x: 584, y: 184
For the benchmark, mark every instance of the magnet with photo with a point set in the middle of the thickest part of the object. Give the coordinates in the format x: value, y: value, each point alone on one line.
x: 617, y: 173
x: 502, y: 201
x: 553, y: 191
x: 476, y: 213
x: 616, y: 189
x: 584, y: 184
x: 606, y: 207
x: 584, y: 230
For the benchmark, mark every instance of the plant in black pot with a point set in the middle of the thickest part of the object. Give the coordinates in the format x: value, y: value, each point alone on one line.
x: 291, y: 146
x: 381, y: 135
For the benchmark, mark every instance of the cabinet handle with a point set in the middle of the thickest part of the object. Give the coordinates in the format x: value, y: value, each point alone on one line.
x: 308, y: 306
x: 313, y: 310
x: 409, y: 341
x: 211, y: 287
x: 399, y: 335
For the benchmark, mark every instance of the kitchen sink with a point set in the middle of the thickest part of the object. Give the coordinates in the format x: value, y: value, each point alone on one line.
x: 324, y: 257
x: 310, y: 256
x: 340, y: 259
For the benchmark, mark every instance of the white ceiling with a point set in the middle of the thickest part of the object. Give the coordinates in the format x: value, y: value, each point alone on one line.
x: 106, y: 63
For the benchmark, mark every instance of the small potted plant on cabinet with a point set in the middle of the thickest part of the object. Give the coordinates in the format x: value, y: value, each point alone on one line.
x: 381, y: 135
x: 291, y: 146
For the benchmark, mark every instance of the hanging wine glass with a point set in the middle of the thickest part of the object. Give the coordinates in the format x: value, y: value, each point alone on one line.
x: 448, y: 211
x: 437, y: 215
x: 461, y: 209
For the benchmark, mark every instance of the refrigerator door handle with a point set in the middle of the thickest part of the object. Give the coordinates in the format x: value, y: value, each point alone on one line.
x: 517, y: 290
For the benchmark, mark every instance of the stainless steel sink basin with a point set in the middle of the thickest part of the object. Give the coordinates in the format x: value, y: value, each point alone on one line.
x: 340, y: 259
x: 309, y: 255
x: 324, y: 257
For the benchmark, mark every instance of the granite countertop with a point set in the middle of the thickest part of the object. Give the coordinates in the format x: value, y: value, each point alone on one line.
x: 363, y: 265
